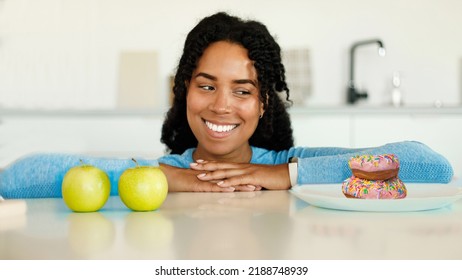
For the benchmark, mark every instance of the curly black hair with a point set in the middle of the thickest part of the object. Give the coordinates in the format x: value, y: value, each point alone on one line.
x: 274, y: 131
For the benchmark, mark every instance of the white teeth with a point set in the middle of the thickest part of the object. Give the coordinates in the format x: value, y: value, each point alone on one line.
x: 220, y: 128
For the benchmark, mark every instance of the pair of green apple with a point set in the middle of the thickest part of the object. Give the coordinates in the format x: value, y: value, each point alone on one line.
x: 86, y: 188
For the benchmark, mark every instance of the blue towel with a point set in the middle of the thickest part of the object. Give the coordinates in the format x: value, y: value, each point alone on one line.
x: 41, y: 175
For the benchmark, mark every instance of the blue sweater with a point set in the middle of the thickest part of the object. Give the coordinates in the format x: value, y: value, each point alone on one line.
x: 41, y: 175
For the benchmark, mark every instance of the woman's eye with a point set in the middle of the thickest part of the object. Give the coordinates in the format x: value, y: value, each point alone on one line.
x: 207, y: 88
x: 242, y: 92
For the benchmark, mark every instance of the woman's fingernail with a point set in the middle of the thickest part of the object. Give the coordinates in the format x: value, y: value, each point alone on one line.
x: 251, y: 187
x: 193, y: 164
x: 200, y: 160
x: 201, y: 175
x: 220, y: 183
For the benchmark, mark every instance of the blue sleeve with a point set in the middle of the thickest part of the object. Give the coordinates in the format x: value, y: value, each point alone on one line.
x: 181, y: 161
x: 41, y: 175
x: 418, y: 163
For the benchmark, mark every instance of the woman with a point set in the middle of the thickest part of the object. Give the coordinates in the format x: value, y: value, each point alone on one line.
x: 228, y: 128
x: 226, y: 99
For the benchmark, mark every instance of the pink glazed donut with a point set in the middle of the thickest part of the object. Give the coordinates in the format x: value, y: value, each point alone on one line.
x: 374, y: 167
x: 355, y: 187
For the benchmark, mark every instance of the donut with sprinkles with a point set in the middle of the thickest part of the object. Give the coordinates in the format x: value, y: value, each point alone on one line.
x: 374, y: 167
x: 374, y: 177
x: 355, y: 187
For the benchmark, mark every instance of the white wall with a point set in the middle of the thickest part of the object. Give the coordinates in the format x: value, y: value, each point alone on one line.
x: 64, y: 53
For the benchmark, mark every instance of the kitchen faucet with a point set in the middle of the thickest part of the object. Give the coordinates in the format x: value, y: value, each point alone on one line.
x: 353, y: 94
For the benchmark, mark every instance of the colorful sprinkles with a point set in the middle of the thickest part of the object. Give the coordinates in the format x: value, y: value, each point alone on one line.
x: 379, y: 189
x: 373, y: 160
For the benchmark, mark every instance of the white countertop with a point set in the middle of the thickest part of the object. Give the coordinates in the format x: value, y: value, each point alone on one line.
x: 222, y: 226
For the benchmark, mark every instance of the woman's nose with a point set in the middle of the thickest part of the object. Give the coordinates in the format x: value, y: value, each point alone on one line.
x: 221, y: 103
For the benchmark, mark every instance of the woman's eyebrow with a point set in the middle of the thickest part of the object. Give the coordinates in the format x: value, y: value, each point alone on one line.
x: 245, y: 81
x: 238, y: 81
x: 205, y: 75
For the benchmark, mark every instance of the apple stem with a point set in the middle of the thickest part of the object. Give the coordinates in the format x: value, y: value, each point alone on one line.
x: 134, y: 160
x: 81, y: 162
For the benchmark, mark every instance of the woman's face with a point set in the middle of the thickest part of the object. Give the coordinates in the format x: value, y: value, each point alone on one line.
x: 223, y: 105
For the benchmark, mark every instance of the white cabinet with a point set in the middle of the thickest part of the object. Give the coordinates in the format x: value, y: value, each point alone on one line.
x: 313, y: 130
x: 125, y: 136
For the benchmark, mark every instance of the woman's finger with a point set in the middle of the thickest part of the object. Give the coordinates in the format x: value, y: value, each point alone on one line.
x: 223, y: 174
x: 213, y: 165
x: 211, y: 187
x: 246, y: 188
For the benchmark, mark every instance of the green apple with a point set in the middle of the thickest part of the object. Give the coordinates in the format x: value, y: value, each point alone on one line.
x: 143, y: 188
x: 85, y: 188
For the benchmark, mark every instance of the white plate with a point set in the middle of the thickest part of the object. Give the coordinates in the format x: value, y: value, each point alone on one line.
x: 419, y: 197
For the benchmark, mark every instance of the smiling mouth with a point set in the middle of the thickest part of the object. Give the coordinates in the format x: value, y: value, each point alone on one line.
x: 220, y: 128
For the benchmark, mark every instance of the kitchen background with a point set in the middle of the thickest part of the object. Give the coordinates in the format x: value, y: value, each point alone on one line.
x: 89, y: 54
x: 94, y: 76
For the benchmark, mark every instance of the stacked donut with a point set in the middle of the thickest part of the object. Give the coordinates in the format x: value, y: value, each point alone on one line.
x: 374, y: 177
